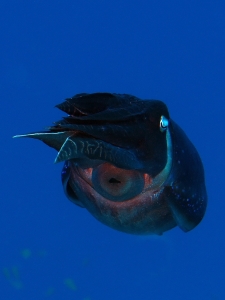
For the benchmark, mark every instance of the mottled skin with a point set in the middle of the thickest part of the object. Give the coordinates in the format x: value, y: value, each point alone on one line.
x: 128, y: 163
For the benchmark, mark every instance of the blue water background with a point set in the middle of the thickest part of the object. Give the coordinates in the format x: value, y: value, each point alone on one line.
x: 169, y: 50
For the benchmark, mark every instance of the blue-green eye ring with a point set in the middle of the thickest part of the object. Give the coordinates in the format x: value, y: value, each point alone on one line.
x: 164, y: 122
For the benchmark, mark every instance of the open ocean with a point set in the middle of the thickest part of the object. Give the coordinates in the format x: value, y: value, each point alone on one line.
x: 51, y: 50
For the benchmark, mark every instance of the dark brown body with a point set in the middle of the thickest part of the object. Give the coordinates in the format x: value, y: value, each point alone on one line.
x: 128, y: 163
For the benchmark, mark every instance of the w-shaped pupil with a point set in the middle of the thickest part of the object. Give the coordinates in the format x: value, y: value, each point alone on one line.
x: 114, y: 180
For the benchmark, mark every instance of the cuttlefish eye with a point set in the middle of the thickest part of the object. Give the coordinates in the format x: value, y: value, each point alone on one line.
x: 164, y: 122
x: 117, y: 184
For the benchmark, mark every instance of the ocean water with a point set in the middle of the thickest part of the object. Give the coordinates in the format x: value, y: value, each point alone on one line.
x: 51, y: 50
